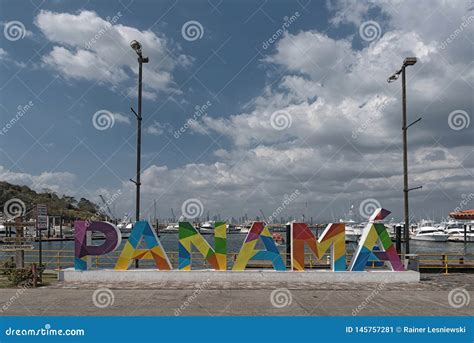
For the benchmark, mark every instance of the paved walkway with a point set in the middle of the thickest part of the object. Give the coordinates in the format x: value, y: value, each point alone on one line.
x: 435, y: 295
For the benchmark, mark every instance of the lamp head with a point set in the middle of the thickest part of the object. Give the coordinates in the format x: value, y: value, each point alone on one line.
x: 135, y: 45
x: 409, y: 61
x: 392, y: 78
x: 395, y: 76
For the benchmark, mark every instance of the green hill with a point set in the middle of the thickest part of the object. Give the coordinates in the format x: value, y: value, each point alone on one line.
x: 67, y: 206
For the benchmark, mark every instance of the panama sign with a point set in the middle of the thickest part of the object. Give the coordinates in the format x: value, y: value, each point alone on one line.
x: 375, y: 245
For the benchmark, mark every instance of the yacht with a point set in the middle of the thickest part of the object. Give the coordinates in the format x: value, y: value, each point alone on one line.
x: 427, y: 231
x: 232, y: 228
x: 207, y: 227
x: 245, y: 228
x: 172, y: 227
x: 452, y: 227
x: 353, y: 231
x: 455, y: 230
x: 458, y: 236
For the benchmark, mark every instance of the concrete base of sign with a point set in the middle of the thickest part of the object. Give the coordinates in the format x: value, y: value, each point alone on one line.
x: 153, y: 275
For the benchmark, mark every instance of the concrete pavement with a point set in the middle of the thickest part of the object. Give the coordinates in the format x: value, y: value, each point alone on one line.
x: 434, y: 295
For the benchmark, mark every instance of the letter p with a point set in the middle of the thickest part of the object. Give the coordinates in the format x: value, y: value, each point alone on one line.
x: 83, y: 241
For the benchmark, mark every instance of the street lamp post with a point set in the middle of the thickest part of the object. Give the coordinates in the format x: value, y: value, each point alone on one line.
x: 409, y: 61
x: 135, y: 45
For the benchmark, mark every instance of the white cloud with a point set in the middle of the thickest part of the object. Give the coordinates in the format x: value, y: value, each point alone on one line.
x: 120, y: 118
x: 91, y: 48
x: 61, y: 182
x: 157, y: 128
x: 5, y: 57
x: 313, y: 53
x: 83, y: 64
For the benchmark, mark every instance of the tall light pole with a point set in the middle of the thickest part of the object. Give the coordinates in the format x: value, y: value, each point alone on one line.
x: 409, y: 61
x: 135, y: 45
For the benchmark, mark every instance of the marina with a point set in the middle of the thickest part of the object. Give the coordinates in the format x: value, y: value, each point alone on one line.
x: 443, y: 247
x: 425, y: 230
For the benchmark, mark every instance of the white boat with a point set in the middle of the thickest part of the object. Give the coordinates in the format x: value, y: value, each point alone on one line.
x: 454, y: 226
x: 231, y: 228
x: 427, y: 231
x: 458, y: 236
x: 353, y: 233
x: 455, y: 230
x: 172, y: 227
x: 207, y: 227
x: 244, y: 228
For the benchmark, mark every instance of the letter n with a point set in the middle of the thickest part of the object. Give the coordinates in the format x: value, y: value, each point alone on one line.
x: 189, y: 236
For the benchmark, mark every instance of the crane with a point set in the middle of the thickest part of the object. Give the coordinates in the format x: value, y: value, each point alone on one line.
x: 172, y: 215
x: 106, y: 206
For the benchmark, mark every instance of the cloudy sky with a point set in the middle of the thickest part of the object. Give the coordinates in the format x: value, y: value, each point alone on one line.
x: 281, y: 106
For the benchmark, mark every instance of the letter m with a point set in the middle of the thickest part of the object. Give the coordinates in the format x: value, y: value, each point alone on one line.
x: 333, y: 238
